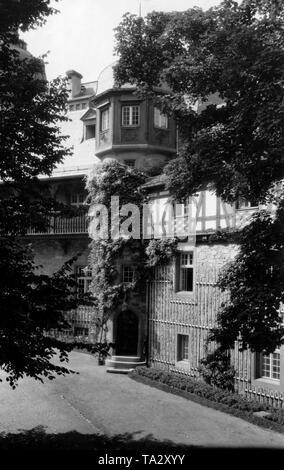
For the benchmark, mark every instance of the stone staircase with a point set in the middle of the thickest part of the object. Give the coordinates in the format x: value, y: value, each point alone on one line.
x: 123, y: 364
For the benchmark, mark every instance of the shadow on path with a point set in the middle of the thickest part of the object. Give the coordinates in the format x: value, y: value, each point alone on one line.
x: 38, y: 439
x: 97, y: 446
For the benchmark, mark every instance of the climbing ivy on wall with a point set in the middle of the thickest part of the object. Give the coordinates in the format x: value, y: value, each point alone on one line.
x: 109, y: 292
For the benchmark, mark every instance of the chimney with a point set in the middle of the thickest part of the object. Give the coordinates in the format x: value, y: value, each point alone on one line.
x: 74, y: 82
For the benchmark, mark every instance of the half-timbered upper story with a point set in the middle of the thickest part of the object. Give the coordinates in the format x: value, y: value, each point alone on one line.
x: 199, y: 215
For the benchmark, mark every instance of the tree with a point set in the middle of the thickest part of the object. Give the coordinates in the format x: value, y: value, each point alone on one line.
x: 229, y: 60
x: 30, y: 145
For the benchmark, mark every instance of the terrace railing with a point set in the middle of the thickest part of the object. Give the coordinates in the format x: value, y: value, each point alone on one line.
x: 59, y: 225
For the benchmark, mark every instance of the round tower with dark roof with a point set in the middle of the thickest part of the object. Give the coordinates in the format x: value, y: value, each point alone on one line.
x: 130, y: 129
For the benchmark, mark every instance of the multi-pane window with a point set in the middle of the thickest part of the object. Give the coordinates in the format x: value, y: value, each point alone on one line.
x: 182, y: 348
x: 127, y: 273
x: 181, y: 211
x: 186, y: 271
x: 130, y: 115
x: 160, y: 119
x: 77, y: 106
x: 81, y: 331
x: 245, y: 204
x: 105, y: 119
x: 78, y: 199
x: 270, y: 365
x: 129, y: 163
x: 84, y: 279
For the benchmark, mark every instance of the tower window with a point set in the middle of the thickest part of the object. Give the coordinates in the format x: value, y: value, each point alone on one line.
x: 160, y: 120
x: 130, y: 116
x: 104, y: 119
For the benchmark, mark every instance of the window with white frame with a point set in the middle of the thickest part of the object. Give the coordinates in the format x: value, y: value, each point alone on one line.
x: 78, y: 199
x: 104, y: 120
x: 84, y: 279
x: 160, y: 119
x: 182, y: 348
x: 185, y: 274
x: 130, y: 116
x: 127, y: 273
x: 181, y: 214
x: 270, y: 365
x: 129, y: 163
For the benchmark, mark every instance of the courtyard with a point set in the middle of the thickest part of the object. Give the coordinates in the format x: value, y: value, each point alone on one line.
x: 111, y: 411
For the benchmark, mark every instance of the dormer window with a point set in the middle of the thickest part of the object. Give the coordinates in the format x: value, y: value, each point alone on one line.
x: 90, y: 131
x: 160, y: 120
x: 130, y: 116
x: 89, y: 122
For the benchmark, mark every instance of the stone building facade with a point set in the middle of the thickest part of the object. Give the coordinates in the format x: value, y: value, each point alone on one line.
x: 183, y: 298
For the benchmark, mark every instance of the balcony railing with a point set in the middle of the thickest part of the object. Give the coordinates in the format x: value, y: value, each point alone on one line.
x: 59, y: 225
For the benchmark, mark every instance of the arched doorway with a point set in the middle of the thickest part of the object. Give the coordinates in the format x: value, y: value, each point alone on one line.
x: 127, y: 334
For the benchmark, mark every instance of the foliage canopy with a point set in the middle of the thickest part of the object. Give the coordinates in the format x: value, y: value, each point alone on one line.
x: 31, y: 303
x: 222, y: 76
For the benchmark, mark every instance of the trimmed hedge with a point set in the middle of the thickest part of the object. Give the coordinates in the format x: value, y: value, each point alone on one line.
x: 233, y: 401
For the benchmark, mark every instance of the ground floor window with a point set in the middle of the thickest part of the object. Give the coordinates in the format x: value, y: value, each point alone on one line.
x: 182, y: 348
x: 81, y: 331
x: 270, y: 365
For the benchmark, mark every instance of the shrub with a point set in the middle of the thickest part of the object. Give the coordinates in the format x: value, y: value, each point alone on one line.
x: 207, y: 391
x: 216, y: 370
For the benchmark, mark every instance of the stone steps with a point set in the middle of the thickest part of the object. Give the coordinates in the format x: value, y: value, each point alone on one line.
x: 126, y: 358
x: 123, y: 364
